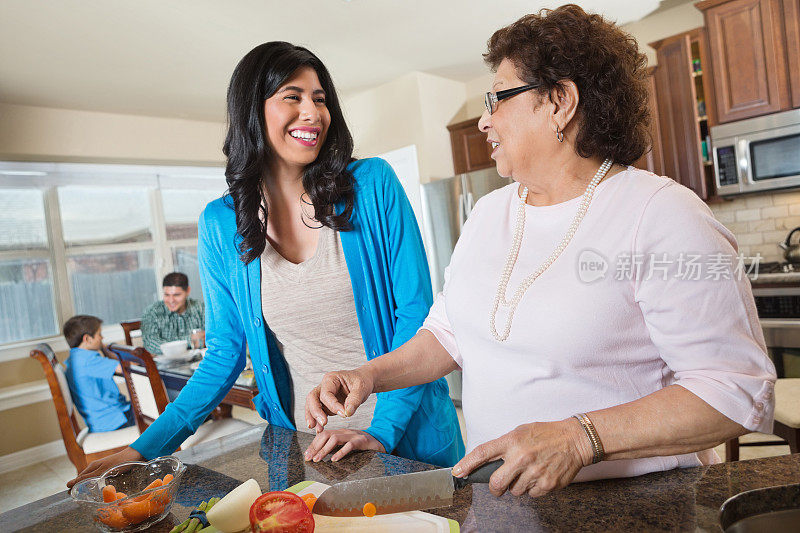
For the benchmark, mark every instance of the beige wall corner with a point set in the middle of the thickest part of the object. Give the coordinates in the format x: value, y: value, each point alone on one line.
x: 40, y: 133
x: 440, y: 100
x: 664, y: 24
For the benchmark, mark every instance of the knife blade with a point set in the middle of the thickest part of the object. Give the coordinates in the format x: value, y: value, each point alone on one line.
x: 404, y: 492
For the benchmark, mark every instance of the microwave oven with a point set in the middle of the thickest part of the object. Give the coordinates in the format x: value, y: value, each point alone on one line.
x: 757, y: 154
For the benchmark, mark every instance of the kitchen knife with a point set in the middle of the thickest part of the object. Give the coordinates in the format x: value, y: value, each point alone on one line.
x: 395, y: 494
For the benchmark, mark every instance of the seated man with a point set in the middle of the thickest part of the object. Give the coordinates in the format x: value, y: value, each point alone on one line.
x: 175, y: 317
x: 90, y: 377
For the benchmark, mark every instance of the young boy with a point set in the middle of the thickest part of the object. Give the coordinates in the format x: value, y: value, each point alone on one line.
x: 90, y: 380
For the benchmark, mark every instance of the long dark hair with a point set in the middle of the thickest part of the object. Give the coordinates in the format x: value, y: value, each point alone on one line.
x: 326, y: 180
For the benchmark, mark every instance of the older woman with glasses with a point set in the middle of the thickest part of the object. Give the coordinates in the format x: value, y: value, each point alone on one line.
x: 594, y: 308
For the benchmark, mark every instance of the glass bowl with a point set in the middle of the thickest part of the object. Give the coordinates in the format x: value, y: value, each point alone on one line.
x: 140, y: 507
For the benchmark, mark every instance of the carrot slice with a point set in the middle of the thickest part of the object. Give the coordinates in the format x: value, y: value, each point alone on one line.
x: 109, y: 493
x: 168, y: 478
x: 369, y: 509
x: 121, y: 496
x: 310, y: 500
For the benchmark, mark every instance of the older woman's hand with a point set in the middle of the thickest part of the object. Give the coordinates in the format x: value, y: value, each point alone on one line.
x: 340, y: 393
x: 539, y: 458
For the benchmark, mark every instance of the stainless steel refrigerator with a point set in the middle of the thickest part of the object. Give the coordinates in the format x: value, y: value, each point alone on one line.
x: 446, y: 204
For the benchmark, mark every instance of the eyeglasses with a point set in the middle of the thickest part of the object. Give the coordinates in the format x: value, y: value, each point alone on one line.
x: 491, y: 99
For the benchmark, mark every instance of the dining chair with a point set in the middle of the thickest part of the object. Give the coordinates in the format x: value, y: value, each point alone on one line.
x: 82, y: 446
x: 149, y: 396
x: 787, y: 420
x: 128, y: 328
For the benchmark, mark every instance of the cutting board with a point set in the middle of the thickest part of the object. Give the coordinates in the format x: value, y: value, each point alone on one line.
x: 408, y: 522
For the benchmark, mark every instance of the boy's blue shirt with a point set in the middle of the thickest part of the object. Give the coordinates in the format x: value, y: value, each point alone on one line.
x: 94, y: 392
x: 392, y: 293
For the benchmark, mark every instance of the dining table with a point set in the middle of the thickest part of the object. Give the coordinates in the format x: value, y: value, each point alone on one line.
x: 682, y: 499
x: 175, y: 373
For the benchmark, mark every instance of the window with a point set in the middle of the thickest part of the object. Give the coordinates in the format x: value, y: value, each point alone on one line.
x: 91, y: 215
x: 26, y: 280
x: 182, y: 208
x: 94, y: 239
x: 114, y: 286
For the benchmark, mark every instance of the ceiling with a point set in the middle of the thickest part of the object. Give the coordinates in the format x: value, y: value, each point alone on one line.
x: 173, y: 58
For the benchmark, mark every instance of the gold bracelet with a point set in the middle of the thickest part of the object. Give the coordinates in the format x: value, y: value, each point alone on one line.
x: 598, y: 453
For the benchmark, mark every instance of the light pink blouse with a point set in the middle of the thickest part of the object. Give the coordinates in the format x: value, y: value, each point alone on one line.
x: 647, y: 294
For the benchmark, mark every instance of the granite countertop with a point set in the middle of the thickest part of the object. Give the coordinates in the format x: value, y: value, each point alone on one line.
x: 677, y: 500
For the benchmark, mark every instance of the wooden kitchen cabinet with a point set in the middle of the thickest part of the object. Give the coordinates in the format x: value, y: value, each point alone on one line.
x: 653, y: 159
x: 748, y: 54
x: 791, y: 15
x: 683, y: 87
x: 470, y: 149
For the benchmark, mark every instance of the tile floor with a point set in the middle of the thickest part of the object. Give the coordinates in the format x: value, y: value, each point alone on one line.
x: 49, y: 477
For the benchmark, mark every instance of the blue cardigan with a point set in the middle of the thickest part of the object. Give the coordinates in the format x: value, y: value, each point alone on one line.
x: 392, y: 292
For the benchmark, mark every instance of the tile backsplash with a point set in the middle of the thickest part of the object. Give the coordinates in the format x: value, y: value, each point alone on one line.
x: 760, y: 222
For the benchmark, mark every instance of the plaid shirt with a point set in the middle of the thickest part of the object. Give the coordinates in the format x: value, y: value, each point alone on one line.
x: 160, y: 325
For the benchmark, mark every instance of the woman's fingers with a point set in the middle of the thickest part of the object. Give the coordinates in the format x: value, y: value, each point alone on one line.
x: 488, y: 451
x: 347, y: 448
x: 316, y: 418
x: 93, y: 469
x: 100, y: 466
x: 525, y: 481
x: 326, y: 448
x: 316, y: 444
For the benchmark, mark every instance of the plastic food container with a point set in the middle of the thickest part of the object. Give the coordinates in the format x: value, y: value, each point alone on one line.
x: 139, y: 507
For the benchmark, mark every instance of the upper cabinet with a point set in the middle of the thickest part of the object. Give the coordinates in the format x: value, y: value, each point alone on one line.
x: 470, y: 149
x: 791, y: 14
x: 684, y: 110
x: 653, y: 159
x: 748, y: 44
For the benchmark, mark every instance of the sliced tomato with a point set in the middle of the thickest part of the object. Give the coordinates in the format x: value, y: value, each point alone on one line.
x: 280, y: 512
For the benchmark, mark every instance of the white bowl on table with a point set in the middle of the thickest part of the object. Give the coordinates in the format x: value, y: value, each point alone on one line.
x: 175, y: 350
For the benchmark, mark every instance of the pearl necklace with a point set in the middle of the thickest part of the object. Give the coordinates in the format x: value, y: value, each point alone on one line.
x: 513, y: 253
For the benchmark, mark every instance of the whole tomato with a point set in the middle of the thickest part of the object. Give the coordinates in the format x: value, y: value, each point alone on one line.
x: 280, y: 512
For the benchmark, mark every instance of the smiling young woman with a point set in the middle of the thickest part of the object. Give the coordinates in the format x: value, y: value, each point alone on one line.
x: 312, y: 261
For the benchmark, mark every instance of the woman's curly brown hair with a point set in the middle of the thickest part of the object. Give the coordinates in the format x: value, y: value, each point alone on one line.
x: 603, y: 61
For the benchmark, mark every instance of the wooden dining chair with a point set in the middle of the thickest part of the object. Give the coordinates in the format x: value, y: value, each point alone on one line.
x: 787, y: 420
x: 82, y: 446
x: 147, y: 393
x: 149, y: 397
x: 128, y: 328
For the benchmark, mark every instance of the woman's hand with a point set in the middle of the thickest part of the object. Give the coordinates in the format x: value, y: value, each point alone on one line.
x: 539, y: 458
x: 96, y: 468
x: 348, y: 439
x: 340, y: 393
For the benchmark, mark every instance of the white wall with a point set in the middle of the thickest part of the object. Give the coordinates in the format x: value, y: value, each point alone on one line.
x: 413, y: 109
x: 40, y: 133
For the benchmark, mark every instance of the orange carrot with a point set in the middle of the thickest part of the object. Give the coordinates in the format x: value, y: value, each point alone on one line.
x: 113, y: 517
x: 310, y: 499
x: 369, y: 509
x: 154, y: 484
x: 137, y: 511
x: 121, y: 495
x: 109, y: 493
x: 168, y: 478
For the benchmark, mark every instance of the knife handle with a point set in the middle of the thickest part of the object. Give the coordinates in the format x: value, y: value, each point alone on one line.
x: 479, y: 475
